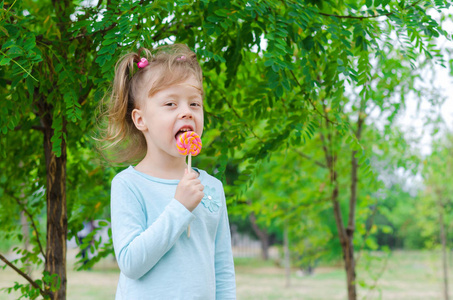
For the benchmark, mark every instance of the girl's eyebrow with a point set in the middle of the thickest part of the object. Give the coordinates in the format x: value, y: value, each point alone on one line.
x: 178, y: 95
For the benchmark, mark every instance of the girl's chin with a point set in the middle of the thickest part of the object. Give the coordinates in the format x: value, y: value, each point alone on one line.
x: 180, y: 156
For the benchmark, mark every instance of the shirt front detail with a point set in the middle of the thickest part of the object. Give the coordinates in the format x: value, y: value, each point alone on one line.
x: 211, y: 199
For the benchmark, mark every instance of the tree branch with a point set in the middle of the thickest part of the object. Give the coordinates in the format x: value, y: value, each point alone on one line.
x: 356, y: 17
x: 381, y: 272
x: 83, y: 97
x: 239, y: 117
x: 311, y: 102
x: 368, y: 232
x: 35, y: 127
x: 310, y: 159
x: 172, y: 32
x: 28, y: 278
x: 8, y: 82
x: 157, y: 36
x: 261, y: 233
x: 334, y: 196
x: 84, y: 35
x: 259, y: 139
x: 32, y: 223
x: 367, y: 17
x: 354, y: 171
x: 40, y: 38
x: 39, y: 128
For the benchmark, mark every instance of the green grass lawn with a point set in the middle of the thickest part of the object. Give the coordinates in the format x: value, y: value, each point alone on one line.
x: 404, y: 275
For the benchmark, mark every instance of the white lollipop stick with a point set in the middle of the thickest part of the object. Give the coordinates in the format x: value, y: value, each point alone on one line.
x: 189, y: 163
x: 184, y: 145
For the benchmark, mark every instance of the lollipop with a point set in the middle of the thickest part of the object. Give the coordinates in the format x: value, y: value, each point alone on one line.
x: 189, y: 143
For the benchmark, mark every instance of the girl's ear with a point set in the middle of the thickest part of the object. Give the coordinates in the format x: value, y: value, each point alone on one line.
x: 139, y: 121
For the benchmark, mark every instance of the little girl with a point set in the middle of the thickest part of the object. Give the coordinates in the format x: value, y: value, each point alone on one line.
x: 157, y: 96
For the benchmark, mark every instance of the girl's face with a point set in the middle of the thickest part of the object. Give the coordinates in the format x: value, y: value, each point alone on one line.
x: 167, y: 114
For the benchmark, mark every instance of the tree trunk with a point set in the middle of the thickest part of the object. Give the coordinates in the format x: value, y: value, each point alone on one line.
x: 57, y: 220
x: 346, y: 241
x: 345, y: 235
x: 56, y: 213
x: 262, y: 235
x: 443, y: 240
x: 348, y: 234
x: 287, y: 257
x: 349, y: 260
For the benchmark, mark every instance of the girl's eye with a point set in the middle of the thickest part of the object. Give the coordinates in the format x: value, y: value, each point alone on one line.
x: 195, y: 104
x: 170, y: 104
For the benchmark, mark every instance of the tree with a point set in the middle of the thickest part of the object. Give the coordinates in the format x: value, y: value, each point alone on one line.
x: 57, y: 59
x: 308, y: 89
x: 438, y: 201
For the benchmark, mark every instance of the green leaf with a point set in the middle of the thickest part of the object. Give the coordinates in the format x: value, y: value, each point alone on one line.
x: 221, y: 12
x: 386, y: 229
x: 102, y: 59
x: 5, y: 60
x: 279, y: 91
x: 213, y: 19
x: 269, y: 62
x: 371, y: 244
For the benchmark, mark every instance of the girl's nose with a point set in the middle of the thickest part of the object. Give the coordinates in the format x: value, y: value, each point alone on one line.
x: 186, y: 113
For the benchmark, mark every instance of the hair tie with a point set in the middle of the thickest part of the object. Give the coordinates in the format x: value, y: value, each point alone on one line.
x: 142, y: 63
x: 182, y: 57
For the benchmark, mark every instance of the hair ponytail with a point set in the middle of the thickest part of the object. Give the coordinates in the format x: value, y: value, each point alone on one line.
x: 122, y: 141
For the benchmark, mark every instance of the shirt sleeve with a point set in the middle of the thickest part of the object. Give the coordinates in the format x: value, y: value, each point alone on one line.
x: 138, y: 247
x: 224, y: 264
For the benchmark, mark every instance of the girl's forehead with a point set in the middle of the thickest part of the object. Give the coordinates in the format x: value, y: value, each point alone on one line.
x: 161, y: 75
x: 190, y: 82
x: 185, y: 85
x: 183, y: 89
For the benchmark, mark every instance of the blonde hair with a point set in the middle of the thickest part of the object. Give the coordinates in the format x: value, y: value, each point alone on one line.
x: 122, y: 142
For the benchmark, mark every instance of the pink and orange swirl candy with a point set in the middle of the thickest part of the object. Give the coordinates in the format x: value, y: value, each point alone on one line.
x: 189, y: 143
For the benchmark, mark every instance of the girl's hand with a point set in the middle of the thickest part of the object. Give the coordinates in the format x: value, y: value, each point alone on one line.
x: 189, y: 190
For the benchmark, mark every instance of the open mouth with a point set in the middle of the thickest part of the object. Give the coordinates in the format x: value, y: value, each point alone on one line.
x: 182, y: 130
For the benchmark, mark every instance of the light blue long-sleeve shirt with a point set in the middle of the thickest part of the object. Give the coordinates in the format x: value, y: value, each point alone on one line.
x: 156, y: 257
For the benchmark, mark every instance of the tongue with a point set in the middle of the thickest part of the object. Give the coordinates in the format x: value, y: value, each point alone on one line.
x: 178, y: 135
